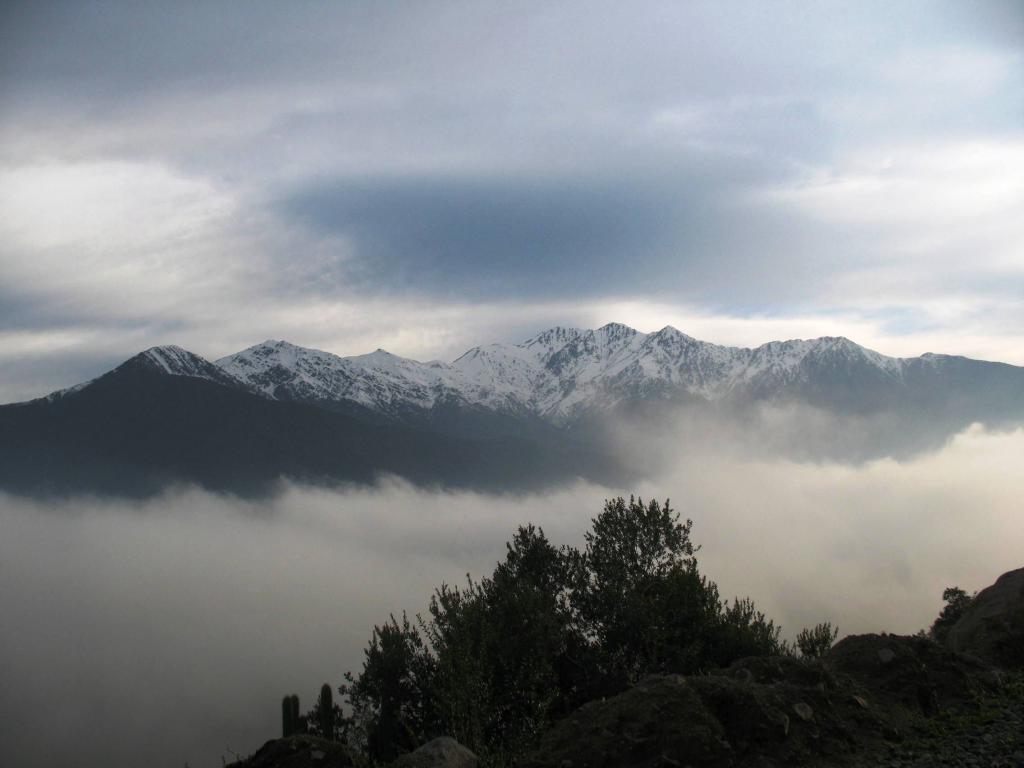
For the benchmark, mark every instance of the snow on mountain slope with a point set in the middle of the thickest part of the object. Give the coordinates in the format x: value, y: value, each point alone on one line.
x: 378, y: 381
x: 558, y: 374
x: 170, y: 360
x: 175, y: 361
x: 562, y: 374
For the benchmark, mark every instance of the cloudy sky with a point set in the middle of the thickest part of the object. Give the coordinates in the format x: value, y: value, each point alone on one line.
x: 424, y: 177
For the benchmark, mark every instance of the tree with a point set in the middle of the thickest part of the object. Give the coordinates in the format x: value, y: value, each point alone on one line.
x: 638, y: 595
x: 815, y: 643
x: 495, y: 662
x: 742, y: 631
x: 503, y: 649
x: 956, y: 603
x: 392, y: 698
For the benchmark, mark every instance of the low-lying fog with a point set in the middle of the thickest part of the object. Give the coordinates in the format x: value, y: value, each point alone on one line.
x: 166, y: 632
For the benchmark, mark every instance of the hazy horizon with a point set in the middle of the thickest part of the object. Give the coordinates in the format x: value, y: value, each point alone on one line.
x: 171, y: 628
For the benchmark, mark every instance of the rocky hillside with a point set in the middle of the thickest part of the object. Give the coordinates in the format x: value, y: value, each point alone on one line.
x: 992, y: 626
x: 875, y: 700
x: 502, y: 417
x: 872, y: 700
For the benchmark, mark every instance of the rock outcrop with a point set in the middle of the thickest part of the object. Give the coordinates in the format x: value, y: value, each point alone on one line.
x: 915, y: 673
x: 312, y: 752
x: 992, y: 626
x: 298, y: 752
x: 442, y: 752
x: 871, y: 696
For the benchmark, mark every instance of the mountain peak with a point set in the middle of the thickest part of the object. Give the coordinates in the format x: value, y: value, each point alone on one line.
x: 379, y: 358
x: 617, y: 329
x: 837, y: 341
x: 165, y: 359
x: 276, y: 344
x: 172, y: 360
x: 271, y: 351
x: 669, y: 332
x: 557, y: 335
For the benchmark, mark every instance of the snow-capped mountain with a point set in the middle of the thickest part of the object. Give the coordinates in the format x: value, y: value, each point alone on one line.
x: 562, y: 373
x: 175, y: 361
x: 378, y: 381
x: 501, y: 416
x: 170, y: 360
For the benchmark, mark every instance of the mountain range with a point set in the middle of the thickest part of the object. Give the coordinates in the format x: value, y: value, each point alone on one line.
x: 501, y: 416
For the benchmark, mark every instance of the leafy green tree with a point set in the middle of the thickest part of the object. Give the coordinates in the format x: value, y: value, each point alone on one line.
x: 956, y: 603
x: 392, y: 698
x: 742, y: 631
x: 815, y: 643
x: 503, y: 646
x: 638, y: 595
x: 495, y: 662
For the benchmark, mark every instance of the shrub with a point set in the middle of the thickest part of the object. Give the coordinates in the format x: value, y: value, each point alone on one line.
x: 636, y: 589
x: 391, y: 699
x: 504, y: 648
x: 495, y: 662
x: 815, y: 643
x: 743, y: 631
x: 956, y: 603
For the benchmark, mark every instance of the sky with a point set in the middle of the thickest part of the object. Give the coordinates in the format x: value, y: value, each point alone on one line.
x: 424, y: 177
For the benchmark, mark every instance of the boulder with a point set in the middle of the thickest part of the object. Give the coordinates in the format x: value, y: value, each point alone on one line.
x: 442, y: 752
x: 659, y: 721
x: 769, y: 712
x: 992, y: 626
x: 912, y: 671
x: 298, y: 752
x: 810, y: 673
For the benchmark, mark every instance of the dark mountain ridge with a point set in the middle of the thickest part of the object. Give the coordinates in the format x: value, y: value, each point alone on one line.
x: 139, y: 429
x: 501, y: 417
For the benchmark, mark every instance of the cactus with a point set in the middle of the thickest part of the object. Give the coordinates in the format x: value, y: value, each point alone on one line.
x: 297, y: 724
x: 290, y: 721
x: 287, y: 725
x: 326, y: 712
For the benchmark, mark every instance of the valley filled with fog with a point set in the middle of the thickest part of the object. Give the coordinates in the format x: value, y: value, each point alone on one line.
x: 165, y: 632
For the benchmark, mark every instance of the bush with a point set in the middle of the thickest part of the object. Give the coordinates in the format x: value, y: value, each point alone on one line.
x: 745, y: 631
x: 391, y: 699
x: 504, y: 649
x: 956, y: 603
x: 496, y: 662
x: 636, y: 590
x: 815, y: 643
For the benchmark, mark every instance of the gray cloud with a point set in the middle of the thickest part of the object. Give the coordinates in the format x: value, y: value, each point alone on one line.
x: 507, y: 237
x: 684, y: 233
x: 169, y: 631
x: 741, y: 160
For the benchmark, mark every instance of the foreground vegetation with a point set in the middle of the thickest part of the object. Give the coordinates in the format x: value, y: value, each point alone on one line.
x: 623, y: 655
x: 495, y: 662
